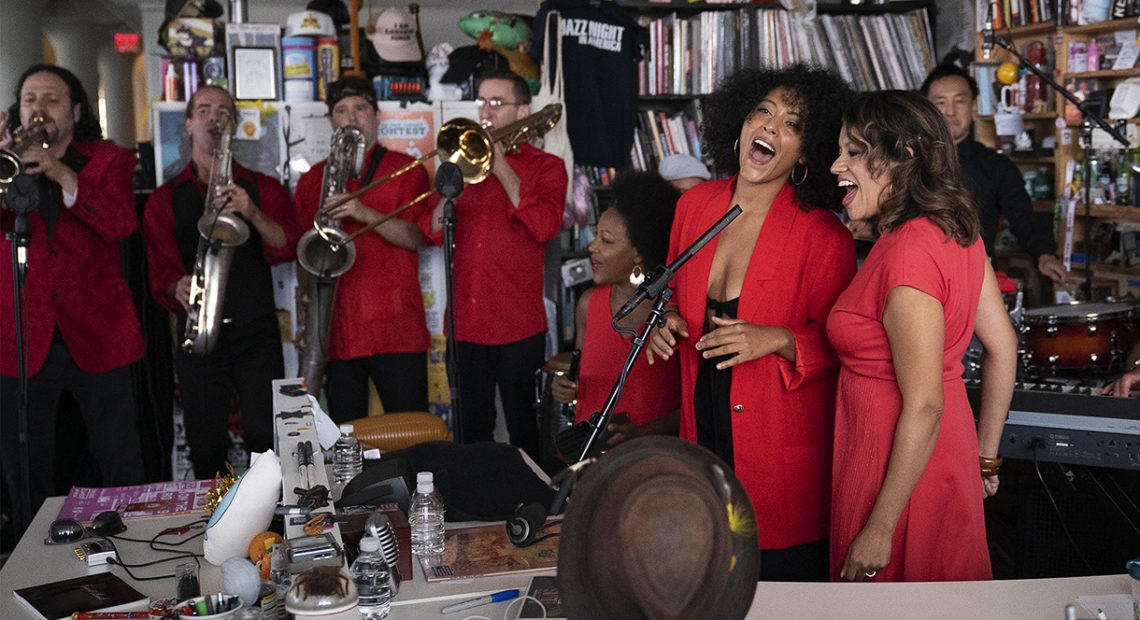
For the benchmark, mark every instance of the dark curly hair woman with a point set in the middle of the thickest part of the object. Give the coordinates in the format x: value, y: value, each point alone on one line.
x: 758, y: 376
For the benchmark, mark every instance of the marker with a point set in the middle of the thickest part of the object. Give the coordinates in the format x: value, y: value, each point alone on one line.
x: 497, y: 597
x: 98, y: 615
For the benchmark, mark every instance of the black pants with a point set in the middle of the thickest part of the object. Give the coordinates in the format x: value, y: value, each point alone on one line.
x: 246, y: 361
x: 400, y: 379
x: 511, y: 367
x: 806, y: 562
x: 106, y: 402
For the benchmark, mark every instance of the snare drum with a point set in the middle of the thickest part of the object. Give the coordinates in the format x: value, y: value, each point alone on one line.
x: 1076, y: 337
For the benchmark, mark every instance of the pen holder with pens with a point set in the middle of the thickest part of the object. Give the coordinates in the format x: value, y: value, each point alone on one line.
x: 209, y: 607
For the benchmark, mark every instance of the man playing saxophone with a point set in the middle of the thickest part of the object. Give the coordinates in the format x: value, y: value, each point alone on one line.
x: 248, y: 355
x: 80, y: 328
x: 376, y: 329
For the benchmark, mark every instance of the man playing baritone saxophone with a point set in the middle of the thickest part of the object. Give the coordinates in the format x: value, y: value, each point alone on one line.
x: 377, y: 328
x: 248, y: 355
x: 81, y: 331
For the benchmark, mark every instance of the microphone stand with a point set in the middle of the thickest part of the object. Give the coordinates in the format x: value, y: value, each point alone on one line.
x: 657, y: 287
x: 449, y: 183
x: 22, y: 200
x: 1088, y: 119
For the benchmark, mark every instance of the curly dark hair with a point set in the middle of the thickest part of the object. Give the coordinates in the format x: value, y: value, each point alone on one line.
x: 87, y: 128
x: 904, y: 132
x: 821, y: 96
x: 646, y: 203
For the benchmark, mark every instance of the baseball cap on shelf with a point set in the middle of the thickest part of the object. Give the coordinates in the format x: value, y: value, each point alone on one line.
x: 397, y: 36
x: 309, y: 24
x: 351, y: 87
x: 681, y: 166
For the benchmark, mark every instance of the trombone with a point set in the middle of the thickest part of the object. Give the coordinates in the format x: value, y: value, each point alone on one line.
x: 461, y: 141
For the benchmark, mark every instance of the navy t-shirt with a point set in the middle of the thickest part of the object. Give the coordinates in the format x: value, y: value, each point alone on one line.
x: 601, y: 43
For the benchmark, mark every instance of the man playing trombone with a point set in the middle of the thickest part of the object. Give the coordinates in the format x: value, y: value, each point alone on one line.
x: 503, y: 225
x: 376, y: 327
x: 248, y: 356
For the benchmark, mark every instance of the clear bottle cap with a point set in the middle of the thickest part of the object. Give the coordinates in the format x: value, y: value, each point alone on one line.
x: 346, y: 429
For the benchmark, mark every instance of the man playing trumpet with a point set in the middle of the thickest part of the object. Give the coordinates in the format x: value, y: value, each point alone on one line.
x: 81, y: 332
x: 376, y: 330
x: 248, y: 355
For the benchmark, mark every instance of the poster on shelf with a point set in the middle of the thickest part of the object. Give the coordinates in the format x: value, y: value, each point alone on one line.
x: 261, y: 148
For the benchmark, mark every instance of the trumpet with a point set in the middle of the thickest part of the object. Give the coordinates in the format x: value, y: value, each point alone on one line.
x: 10, y: 163
x: 461, y: 141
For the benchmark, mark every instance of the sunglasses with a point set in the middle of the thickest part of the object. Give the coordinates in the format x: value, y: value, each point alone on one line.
x: 494, y: 102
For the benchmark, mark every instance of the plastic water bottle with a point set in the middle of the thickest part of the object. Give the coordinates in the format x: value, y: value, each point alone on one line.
x: 347, y: 460
x: 425, y: 516
x: 1134, y: 572
x: 372, y: 576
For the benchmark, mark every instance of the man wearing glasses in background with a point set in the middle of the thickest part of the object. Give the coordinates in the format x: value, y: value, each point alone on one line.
x: 503, y: 226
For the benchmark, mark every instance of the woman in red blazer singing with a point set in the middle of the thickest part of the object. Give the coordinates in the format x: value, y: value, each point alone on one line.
x: 758, y: 375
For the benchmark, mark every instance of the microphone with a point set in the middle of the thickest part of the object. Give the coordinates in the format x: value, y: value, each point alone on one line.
x: 449, y: 180
x: 661, y: 276
x: 23, y: 194
x: 988, y: 33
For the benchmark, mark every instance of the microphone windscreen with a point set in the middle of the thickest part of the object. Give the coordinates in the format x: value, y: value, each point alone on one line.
x: 449, y: 180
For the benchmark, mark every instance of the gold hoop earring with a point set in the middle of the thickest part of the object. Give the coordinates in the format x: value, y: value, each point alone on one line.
x: 637, y: 276
x: 736, y: 147
x: 803, y: 177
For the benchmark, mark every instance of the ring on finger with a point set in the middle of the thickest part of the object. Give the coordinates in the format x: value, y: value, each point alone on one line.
x: 870, y: 573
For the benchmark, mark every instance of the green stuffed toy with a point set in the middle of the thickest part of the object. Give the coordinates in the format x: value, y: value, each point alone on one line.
x: 506, y: 35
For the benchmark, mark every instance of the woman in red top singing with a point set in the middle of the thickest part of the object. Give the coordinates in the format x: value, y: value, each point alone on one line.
x: 632, y: 238
x: 910, y: 506
x: 757, y: 372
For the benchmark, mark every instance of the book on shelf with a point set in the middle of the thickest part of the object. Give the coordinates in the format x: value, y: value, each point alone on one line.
x: 96, y: 592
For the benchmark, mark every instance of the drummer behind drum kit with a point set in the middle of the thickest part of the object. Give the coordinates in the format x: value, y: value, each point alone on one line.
x: 1080, y: 341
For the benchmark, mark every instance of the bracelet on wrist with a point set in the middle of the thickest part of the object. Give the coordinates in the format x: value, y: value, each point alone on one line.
x: 990, y: 467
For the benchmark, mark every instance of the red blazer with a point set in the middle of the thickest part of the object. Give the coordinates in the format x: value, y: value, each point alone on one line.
x: 782, y: 412
x: 75, y: 281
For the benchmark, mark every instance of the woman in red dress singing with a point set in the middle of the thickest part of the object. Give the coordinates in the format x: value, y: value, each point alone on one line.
x: 757, y: 372
x: 632, y: 239
x: 907, y: 503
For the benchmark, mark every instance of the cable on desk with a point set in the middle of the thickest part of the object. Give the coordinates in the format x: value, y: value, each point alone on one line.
x: 1056, y: 508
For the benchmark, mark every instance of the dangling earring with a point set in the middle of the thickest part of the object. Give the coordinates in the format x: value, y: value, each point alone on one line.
x: 637, y: 276
x: 736, y: 147
x: 803, y: 177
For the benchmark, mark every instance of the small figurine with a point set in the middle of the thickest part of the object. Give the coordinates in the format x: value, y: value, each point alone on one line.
x: 437, y: 65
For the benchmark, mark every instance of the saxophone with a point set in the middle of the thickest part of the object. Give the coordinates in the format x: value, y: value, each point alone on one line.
x: 324, y: 252
x: 220, y: 233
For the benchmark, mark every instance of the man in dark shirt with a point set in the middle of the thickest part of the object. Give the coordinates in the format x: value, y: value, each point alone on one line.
x: 996, y: 182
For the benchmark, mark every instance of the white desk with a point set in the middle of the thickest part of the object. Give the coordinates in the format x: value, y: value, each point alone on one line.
x: 34, y: 563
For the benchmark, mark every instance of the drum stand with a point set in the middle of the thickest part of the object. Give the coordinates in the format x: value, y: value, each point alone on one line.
x: 1088, y: 119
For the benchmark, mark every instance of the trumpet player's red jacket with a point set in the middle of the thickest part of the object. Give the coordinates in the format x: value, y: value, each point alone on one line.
x: 171, y: 241
x: 379, y: 306
x: 74, y: 279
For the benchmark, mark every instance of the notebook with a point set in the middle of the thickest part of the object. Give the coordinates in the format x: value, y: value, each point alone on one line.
x: 97, y: 592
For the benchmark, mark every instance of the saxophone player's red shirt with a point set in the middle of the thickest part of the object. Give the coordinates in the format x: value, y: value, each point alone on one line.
x: 74, y: 278
x: 164, y: 261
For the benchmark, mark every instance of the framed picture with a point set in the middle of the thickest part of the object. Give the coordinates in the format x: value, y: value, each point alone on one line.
x: 255, y: 73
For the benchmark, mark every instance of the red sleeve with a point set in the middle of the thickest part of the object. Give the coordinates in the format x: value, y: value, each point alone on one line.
x: 104, y: 199
x: 834, y: 264
x: 275, y: 203
x: 542, y: 195
x: 163, y: 262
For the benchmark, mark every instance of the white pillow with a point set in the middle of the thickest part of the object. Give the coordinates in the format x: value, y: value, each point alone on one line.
x: 245, y: 511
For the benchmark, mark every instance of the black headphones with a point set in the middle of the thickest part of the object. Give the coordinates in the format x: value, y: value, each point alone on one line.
x: 529, y: 520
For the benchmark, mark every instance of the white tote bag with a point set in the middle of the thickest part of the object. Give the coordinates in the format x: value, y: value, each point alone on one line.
x: 557, y: 140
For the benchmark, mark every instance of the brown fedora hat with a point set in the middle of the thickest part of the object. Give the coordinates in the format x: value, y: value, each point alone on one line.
x: 658, y: 528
